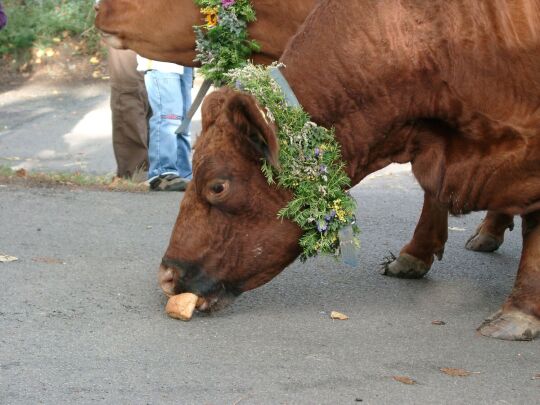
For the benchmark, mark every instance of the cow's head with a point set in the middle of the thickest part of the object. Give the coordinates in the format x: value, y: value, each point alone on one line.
x: 157, y: 29
x: 227, y: 238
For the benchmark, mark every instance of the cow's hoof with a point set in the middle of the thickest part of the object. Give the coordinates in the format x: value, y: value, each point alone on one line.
x: 513, y: 325
x: 404, y: 266
x: 483, y: 242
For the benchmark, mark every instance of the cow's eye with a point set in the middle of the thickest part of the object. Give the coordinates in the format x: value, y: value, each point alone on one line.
x: 218, y: 188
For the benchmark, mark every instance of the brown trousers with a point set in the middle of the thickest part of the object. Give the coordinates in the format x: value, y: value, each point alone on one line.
x: 129, y: 107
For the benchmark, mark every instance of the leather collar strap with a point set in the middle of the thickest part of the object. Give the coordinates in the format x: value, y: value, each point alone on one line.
x: 182, y: 129
x: 290, y: 98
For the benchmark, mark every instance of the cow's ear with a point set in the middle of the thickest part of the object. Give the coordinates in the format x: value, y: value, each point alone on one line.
x: 212, y: 107
x: 244, y: 114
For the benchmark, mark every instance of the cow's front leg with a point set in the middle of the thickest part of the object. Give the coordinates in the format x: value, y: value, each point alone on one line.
x: 519, y: 317
x: 490, y: 233
x: 430, y: 235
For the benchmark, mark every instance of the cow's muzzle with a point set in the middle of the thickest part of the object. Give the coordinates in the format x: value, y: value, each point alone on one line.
x: 178, y: 277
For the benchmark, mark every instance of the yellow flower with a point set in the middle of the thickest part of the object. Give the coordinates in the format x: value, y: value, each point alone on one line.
x: 340, y: 212
x: 211, y: 16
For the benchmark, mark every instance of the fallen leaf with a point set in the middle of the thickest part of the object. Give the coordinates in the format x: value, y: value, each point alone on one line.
x: 94, y: 60
x: 438, y: 322
x: 6, y: 259
x: 56, y: 39
x: 404, y: 380
x: 338, y: 315
x: 49, y: 52
x: 48, y: 260
x: 457, y: 372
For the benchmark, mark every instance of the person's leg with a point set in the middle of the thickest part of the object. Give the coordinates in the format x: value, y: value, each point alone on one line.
x: 129, y: 108
x: 165, y: 97
x: 184, y: 140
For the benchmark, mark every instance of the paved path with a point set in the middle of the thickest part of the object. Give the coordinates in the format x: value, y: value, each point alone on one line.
x: 82, y: 320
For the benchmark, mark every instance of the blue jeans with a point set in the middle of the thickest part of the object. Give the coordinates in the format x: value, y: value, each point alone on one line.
x: 169, y: 96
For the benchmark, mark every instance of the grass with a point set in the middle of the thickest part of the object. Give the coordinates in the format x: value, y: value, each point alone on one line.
x: 69, y: 180
x: 42, y: 23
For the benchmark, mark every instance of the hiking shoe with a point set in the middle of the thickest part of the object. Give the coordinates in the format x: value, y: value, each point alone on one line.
x: 169, y: 182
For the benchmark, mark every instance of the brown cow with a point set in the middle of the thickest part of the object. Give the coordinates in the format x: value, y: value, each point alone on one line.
x: 132, y: 24
x: 453, y: 87
x: 163, y: 29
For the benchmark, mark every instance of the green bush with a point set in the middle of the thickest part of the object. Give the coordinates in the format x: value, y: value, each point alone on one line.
x: 37, y: 22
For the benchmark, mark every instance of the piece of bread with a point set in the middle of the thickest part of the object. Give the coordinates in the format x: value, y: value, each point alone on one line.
x: 181, y: 306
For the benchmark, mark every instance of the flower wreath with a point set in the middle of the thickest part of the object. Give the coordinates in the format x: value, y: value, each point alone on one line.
x: 309, y: 155
x: 222, y: 43
x: 310, y: 166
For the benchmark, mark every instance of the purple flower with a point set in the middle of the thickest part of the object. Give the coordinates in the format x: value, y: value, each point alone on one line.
x: 238, y: 85
x: 317, y: 152
x: 321, y: 227
x: 323, y: 169
x: 329, y: 217
x: 3, y: 18
x: 227, y: 3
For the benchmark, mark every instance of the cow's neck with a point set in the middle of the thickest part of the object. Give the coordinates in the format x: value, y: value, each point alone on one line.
x: 342, y: 83
x: 276, y: 23
x: 372, y: 126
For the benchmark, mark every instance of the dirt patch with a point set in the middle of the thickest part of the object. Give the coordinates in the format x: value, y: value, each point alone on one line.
x: 22, y: 178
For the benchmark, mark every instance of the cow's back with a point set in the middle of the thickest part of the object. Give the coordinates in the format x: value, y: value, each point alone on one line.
x: 492, y: 60
x: 486, y: 52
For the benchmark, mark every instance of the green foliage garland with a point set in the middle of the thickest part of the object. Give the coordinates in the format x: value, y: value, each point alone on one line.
x: 222, y: 43
x: 310, y: 157
x: 311, y: 166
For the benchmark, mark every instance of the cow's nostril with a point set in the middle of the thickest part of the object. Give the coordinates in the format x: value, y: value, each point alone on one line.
x: 166, y: 279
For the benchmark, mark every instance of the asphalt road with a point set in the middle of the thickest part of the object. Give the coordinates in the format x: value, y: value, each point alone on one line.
x: 82, y: 319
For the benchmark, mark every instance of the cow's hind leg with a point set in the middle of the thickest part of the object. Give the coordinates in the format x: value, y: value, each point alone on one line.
x: 519, y: 317
x: 490, y: 233
x: 430, y: 235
